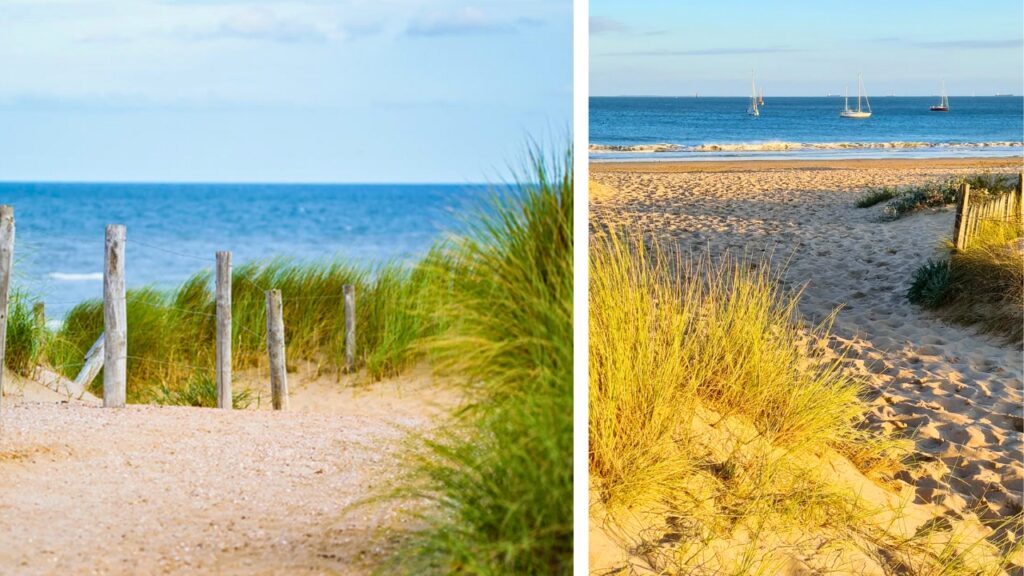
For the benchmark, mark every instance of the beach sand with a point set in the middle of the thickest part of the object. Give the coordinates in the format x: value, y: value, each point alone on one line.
x: 170, y: 490
x: 955, y: 392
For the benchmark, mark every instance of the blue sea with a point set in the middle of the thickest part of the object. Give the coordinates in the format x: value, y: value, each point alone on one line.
x: 174, y: 230
x: 699, y: 128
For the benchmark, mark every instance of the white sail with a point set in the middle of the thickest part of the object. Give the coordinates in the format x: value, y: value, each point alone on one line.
x: 752, y: 109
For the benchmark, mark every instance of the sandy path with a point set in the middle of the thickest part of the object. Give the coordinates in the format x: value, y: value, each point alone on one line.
x: 162, y: 490
x: 957, y: 393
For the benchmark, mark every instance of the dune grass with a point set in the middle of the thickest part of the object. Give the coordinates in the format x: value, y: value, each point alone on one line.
x: 500, y: 479
x: 172, y: 332
x: 26, y: 339
x: 877, y: 196
x: 982, y: 285
x: 671, y: 334
x: 709, y: 401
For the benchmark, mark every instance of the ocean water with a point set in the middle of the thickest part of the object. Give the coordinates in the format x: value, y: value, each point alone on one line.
x: 174, y: 230
x: 690, y: 128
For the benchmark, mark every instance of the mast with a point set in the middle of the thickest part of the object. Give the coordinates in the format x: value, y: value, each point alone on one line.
x: 859, y: 84
x: 846, y: 99
x: 860, y: 88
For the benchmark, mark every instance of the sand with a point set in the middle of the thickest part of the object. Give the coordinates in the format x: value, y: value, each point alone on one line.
x: 955, y: 392
x: 169, y: 490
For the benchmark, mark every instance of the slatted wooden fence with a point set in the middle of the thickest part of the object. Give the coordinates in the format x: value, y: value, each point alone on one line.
x: 974, y: 209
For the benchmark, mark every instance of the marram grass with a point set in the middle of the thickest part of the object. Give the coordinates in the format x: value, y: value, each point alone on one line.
x: 172, y: 333
x: 500, y: 479
x: 670, y: 334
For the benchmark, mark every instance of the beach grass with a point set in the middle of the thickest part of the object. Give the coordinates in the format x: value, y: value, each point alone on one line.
x: 982, y: 285
x: 173, y: 332
x: 713, y: 406
x: 26, y: 339
x: 500, y: 478
x: 877, y: 196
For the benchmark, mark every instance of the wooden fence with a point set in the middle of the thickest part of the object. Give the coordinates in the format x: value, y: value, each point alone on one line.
x: 972, y: 210
x: 110, y: 351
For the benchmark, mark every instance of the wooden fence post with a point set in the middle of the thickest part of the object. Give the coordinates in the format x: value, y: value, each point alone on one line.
x: 224, y: 398
x: 93, y: 362
x: 6, y: 260
x: 960, y: 225
x: 115, y: 320
x: 1020, y: 196
x: 350, y: 327
x: 275, y: 351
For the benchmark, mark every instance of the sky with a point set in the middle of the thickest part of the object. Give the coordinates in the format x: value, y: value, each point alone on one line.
x: 428, y: 91
x: 806, y: 48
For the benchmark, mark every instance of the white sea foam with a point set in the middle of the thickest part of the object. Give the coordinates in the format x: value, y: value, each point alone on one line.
x: 76, y: 277
x: 637, y: 148
x: 787, y: 146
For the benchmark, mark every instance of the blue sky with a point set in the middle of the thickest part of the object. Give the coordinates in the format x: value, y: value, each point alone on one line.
x: 803, y: 47
x: 272, y: 91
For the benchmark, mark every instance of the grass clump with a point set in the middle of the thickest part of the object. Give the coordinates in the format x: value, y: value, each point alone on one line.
x: 711, y: 407
x: 200, y: 391
x: 670, y: 335
x: 877, y: 196
x: 26, y: 338
x: 932, y: 284
x: 982, y: 285
x: 173, y: 332
x: 501, y: 480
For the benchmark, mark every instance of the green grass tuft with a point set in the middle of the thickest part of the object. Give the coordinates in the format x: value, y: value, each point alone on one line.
x: 500, y: 482
x: 876, y: 196
x: 200, y: 391
x: 26, y: 339
x: 932, y: 284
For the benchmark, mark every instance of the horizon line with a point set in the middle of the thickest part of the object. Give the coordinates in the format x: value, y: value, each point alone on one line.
x: 248, y: 183
x: 699, y: 95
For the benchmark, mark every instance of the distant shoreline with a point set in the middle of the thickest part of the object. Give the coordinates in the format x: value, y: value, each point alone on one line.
x: 669, y: 166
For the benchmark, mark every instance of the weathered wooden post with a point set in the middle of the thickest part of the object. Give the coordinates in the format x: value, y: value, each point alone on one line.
x: 115, y: 320
x: 275, y: 351
x: 90, y: 368
x: 1020, y: 196
x: 350, y: 327
x: 960, y: 225
x: 224, y: 330
x: 6, y: 260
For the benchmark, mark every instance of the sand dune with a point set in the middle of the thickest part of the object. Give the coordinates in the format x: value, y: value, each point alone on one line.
x: 958, y: 394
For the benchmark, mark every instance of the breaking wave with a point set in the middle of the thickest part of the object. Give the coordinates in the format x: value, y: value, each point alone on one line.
x: 76, y: 277
x: 786, y: 146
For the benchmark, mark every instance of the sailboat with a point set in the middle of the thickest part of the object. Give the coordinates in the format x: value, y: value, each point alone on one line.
x: 760, y: 96
x: 752, y: 109
x: 943, y: 105
x: 858, y: 113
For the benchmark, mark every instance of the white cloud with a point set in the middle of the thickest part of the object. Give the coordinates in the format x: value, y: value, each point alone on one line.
x: 468, y: 20
x: 264, y: 24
